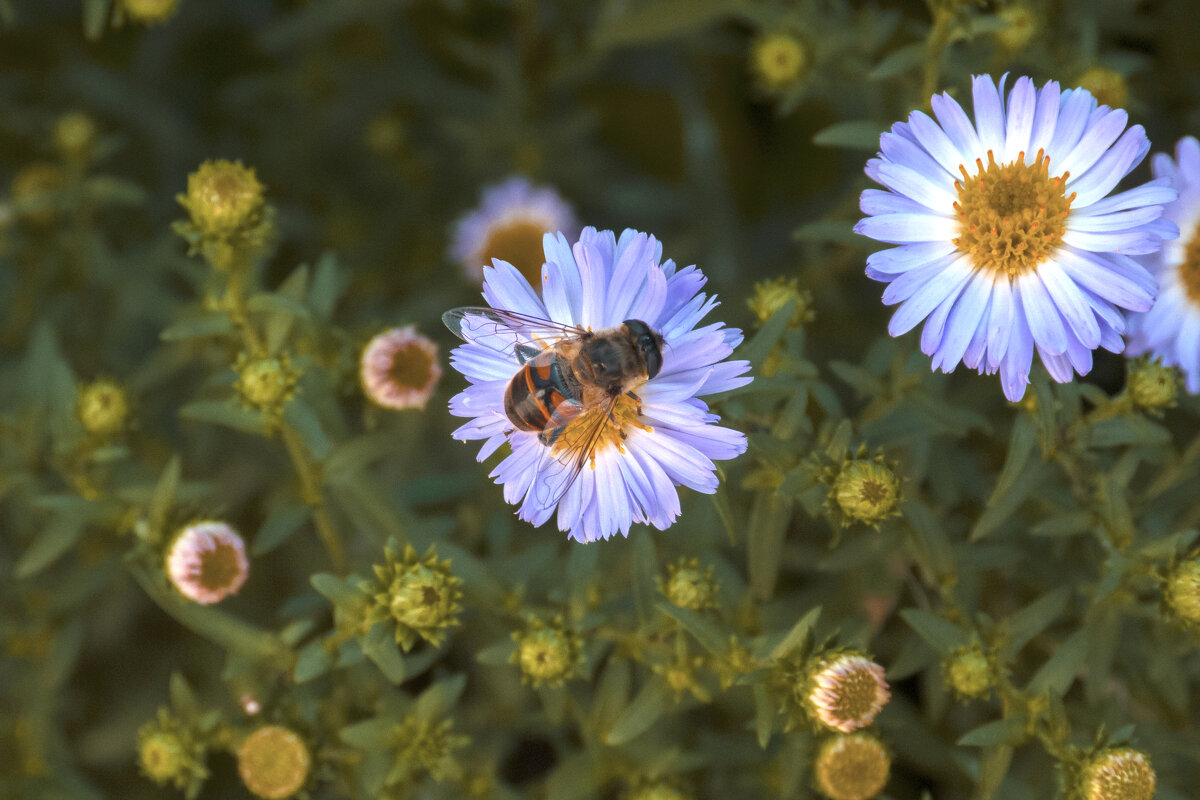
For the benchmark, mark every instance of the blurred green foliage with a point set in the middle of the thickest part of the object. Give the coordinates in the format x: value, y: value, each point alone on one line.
x: 1016, y: 600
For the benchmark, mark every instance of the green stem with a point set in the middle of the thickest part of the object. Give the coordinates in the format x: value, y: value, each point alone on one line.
x: 939, y: 37
x: 310, y: 489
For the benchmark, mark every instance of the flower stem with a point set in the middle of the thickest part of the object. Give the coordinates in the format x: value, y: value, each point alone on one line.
x: 310, y: 489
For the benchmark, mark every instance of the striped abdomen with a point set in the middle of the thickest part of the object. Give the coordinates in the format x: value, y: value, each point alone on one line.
x: 538, y: 389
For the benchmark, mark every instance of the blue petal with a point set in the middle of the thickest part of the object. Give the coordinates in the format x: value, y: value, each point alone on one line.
x: 1044, y: 322
x: 1022, y: 105
x: 958, y: 127
x: 929, y: 296
x: 989, y: 114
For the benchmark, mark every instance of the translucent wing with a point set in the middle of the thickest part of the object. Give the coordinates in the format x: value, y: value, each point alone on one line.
x: 566, y: 453
x: 511, y: 334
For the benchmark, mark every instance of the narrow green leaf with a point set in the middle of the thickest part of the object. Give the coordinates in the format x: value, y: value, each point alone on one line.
x: 215, y: 324
x: 1033, y: 619
x: 163, y: 498
x: 796, y: 636
x: 1125, y: 431
x: 221, y: 412
x: 59, y: 535
x: 760, y: 346
x: 312, y: 661
x: 1001, y: 507
x: 644, y: 567
x: 326, y: 286
x: 95, y: 17
x: 300, y: 417
x: 278, y: 527
x: 1058, y: 673
x: 853, y: 135
x: 770, y: 516
x: 438, y: 700
x: 347, y: 458
x: 1020, y: 447
x: 277, y: 303
x: 335, y: 589
x: 764, y: 715
x: 931, y: 536
x: 1008, y: 731
x: 656, y: 21
x: 650, y: 703
x: 938, y: 632
x: 701, y: 627
x: 993, y: 768
x: 496, y: 655
x: 380, y: 646
x: 900, y: 61
x: 370, y: 734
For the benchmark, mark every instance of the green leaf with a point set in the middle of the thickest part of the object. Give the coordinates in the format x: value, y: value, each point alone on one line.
x: 498, y: 654
x: 222, y: 412
x: 59, y: 535
x: 1008, y: 731
x: 644, y: 567
x: 48, y: 375
x: 853, y: 135
x: 1020, y: 447
x: 351, y: 456
x: 1125, y: 431
x: 1058, y: 673
x: 760, y: 346
x: 197, y: 327
x: 380, y: 646
x: 326, y: 287
x: 370, y: 734
x: 163, y: 498
x: 939, y: 554
x: 900, y: 61
x: 334, y: 589
x: 704, y: 629
x: 278, y: 527
x: 656, y: 21
x: 1001, y: 506
x: 1033, y: 619
x: 770, y: 516
x: 300, y: 417
x: 938, y: 632
x: 95, y: 16
x: 651, y: 702
x: 764, y: 715
x: 796, y: 636
x: 438, y: 700
x: 277, y: 303
x: 312, y: 661
x: 993, y: 768
x: 109, y: 190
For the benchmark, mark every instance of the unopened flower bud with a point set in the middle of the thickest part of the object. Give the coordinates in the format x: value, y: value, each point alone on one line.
x: 149, y: 12
x: 852, y: 767
x: 1118, y: 774
x: 265, y: 383
x: 399, y: 369
x: 969, y: 673
x: 687, y: 586
x: 1022, y: 25
x: 418, y: 595
x: 778, y: 59
x: 223, y: 198
x: 168, y: 753
x: 866, y: 490
x: 101, y: 407
x: 770, y: 296
x: 207, y: 562
x: 1152, y: 386
x: 1106, y: 85
x: 844, y: 691
x: 1182, y: 592
x: 273, y: 762
x: 547, y: 653
x: 75, y: 135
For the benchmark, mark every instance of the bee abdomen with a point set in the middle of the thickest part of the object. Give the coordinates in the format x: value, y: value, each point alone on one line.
x: 533, y: 395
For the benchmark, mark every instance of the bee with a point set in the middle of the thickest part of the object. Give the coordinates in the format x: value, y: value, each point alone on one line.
x: 566, y: 374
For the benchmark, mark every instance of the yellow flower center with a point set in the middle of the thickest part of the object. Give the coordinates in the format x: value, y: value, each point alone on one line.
x: 1121, y: 775
x: 219, y: 567
x: 857, y: 696
x: 866, y: 491
x: 411, y: 366
x: 520, y: 244
x: 779, y: 59
x: 852, y: 767
x: 273, y: 762
x: 544, y: 655
x: 1012, y: 217
x: 1183, y: 591
x: 574, y: 439
x: 1189, y: 270
x: 102, y: 408
x: 162, y: 756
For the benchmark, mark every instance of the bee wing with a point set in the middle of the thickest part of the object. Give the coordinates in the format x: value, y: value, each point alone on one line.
x: 507, y: 332
x: 559, y: 467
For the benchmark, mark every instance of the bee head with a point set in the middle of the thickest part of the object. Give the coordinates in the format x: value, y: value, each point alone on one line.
x: 648, y: 343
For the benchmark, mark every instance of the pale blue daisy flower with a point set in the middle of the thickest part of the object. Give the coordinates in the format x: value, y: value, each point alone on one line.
x: 508, y: 224
x: 1008, y: 241
x: 661, y: 436
x: 1171, y: 329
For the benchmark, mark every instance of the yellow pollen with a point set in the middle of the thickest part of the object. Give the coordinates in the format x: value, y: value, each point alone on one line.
x: 1011, y: 217
x: 520, y: 244
x: 624, y: 415
x: 411, y: 366
x: 1189, y: 270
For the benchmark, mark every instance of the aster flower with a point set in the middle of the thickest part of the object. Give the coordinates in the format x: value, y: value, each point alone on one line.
x: 1171, y: 329
x: 207, y: 562
x: 509, y: 224
x: 399, y: 369
x: 660, y: 438
x: 844, y: 691
x: 1007, y: 239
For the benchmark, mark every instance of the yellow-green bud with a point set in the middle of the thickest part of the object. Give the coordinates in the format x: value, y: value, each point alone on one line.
x: 1106, y: 85
x: 265, y: 383
x: 102, y: 408
x: 687, y: 586
x: 969, y: 673
x: 1022, y: 25
x: 33, y: 190
x: 778, y: 59
x: 168, y: 753
x: 866, y: 491
x: 74, y: 135
x: 1151, y: 385
x: 1118, y: 774
x: 149, y: 11
x: 223, y: 198
x: 547, y: 653
x: 1182, y: 592
x: 419, y: 595
x: 273, y: 762
x: 656, y: 789
x: 770, y: 296
x: 424, y: 745
x: 853, y: 767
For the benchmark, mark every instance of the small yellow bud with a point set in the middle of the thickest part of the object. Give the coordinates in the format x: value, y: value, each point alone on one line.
x: 866, y: 490
x: 547, y: 653
x: 1106, y: 85
x: 223, y: 198
x: 770, y: 296
x: 1152, y: 386
x: 168, y: 753
x: 385, y: 135
x: 265, y: 383
x: 778, y: 59
x: 1182, y: 592
x: 1022, y: 25
x: 1118, y: 774
x: 853, y: 767
x: 969, y: 673
x: 34, y: 191
x: 149, y: 12
x: 102, y: 408
x: 273, y: 762
x: 656, y: 789
x: 687, y: 586
x: 74, y: 135
x: 419, y: 595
